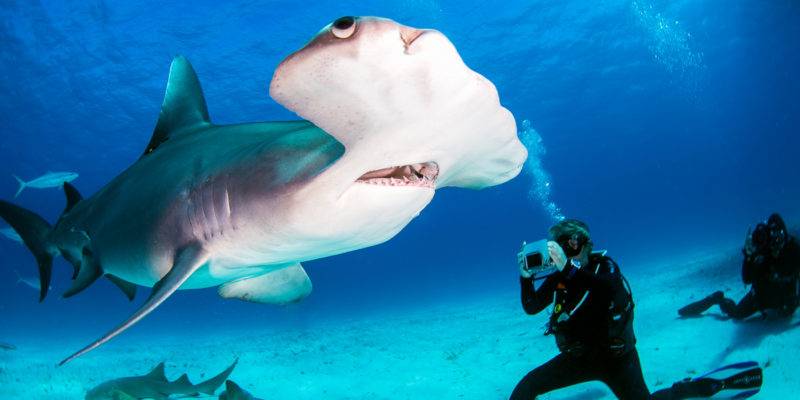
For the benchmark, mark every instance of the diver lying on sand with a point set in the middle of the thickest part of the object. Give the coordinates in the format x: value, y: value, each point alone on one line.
x: 592, y: 321
x: 772, y: 266
x: 155, y: 385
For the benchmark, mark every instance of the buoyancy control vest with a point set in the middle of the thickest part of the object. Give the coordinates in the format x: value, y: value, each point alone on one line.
x: 585, y: 321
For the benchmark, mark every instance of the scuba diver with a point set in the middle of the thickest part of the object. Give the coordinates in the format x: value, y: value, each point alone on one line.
x: 592, y: 321
x: 771, y: 266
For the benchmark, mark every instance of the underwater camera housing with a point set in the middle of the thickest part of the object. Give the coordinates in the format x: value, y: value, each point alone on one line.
x: 535, y: 257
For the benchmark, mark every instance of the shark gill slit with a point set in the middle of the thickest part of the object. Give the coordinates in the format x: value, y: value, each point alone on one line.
x: 212, y: 224
x: 223, y: 206
x: 190, y: 211
x: 202, y: 214
x: 227, y: 204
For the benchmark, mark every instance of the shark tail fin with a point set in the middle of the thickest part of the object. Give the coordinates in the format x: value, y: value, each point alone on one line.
x: 188, y: 260
x: 211, y: 385
x: 35, y: 232
x: 22, y: 185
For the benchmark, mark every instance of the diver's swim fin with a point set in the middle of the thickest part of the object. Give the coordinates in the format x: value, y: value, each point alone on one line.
x: 735, y: 381
x: 700, y: 306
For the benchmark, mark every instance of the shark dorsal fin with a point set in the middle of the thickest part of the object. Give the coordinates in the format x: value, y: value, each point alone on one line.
x: 73, y: 196
x: 235, y: 391
x: 158, y: 373
x: 184, y: 106
x: 183, y: 381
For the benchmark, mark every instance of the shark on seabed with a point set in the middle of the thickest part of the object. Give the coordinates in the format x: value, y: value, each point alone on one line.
x: 155, y: 385
x: 48, y: 180
x: 241, y: 206
x: 235, y: 392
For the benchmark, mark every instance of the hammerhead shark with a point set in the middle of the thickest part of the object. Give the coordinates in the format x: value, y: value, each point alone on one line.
x: 391, y: 114
x: 155, y: 385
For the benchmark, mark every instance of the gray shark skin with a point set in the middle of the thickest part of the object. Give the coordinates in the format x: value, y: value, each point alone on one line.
x: 234, y: 392
x: 155, y: 385
x: 242, y: 206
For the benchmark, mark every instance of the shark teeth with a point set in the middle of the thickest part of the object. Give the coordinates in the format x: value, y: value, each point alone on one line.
x: 415, y: 175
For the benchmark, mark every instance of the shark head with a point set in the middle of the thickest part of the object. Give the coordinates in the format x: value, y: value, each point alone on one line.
x: 411, y: 115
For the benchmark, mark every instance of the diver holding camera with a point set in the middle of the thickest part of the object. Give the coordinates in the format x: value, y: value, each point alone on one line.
x: 771, y: 266
x: 592, y: 321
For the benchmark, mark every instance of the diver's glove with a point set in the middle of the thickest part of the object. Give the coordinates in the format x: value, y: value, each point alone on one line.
x: 557, y: 256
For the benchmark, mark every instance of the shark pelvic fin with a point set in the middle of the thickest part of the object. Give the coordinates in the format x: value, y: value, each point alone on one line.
x: 35, y: 232
x: 89, y: 271
x: 286, y: 285
x: 187, y: 261
x: 128, y: 288
x: 73, y: 196
x: 158, y: 373
x: 184, y: 106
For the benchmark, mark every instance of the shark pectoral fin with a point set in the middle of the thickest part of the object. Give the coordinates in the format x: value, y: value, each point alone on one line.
x: 128, y: 288
x: 187, y: 261
x: 88, y: 272
x: 117, y: 394
x: 286, y: 285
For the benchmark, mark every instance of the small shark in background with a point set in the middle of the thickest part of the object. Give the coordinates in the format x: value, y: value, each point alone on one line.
x: 11, y: 234
x: 48, y: 180
x: 32, y: 283
x: 234, y: 392
x: 155, y: 385
x: 6, y: 346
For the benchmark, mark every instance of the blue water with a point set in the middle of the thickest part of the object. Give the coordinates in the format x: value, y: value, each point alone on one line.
x: 669, y: 126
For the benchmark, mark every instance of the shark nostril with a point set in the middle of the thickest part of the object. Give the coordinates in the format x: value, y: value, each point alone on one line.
x: 409, y: 35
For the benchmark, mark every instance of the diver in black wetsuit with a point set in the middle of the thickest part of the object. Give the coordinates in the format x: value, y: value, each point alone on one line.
x: 592, y: 321
x: 772, y: 266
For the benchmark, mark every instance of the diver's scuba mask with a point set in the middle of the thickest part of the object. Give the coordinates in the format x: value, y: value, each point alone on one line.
x: 777, y: 239
x: 572, y: 244
x: 768, y: 238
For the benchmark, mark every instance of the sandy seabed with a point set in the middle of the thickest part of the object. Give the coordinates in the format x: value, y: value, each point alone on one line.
x: 473, y: 349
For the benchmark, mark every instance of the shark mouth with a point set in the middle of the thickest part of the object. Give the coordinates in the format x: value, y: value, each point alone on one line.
x: 417, y: 175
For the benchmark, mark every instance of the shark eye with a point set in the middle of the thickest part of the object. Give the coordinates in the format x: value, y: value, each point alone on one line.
x: 343, y: 27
